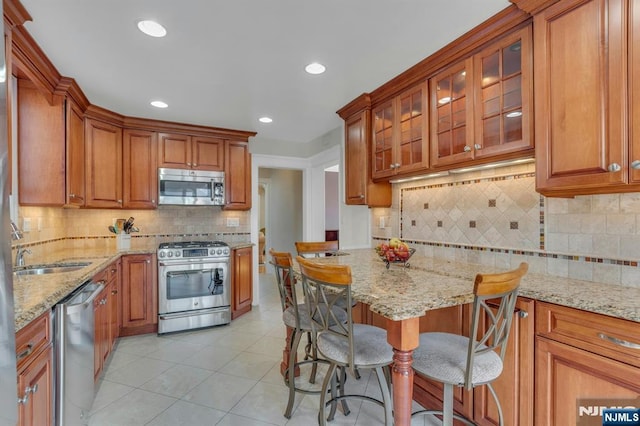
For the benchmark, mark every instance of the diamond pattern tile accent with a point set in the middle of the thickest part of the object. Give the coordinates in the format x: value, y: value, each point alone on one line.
x: 501, y: 212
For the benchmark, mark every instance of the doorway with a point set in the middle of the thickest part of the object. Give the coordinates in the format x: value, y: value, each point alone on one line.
x: 280, y: 211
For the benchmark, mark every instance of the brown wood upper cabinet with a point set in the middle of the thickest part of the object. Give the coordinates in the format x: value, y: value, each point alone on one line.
x: 193, y: 152
x: 140, y: 156
x: 587, y: 59
x: 237, y: 176
x: 51, y: 149
x: 481, y: 107
x: 103, y: 164
x: 359, y: 190
x: 400, y: 136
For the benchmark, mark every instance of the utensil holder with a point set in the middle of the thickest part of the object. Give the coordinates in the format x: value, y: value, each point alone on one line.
x: 123, y: 241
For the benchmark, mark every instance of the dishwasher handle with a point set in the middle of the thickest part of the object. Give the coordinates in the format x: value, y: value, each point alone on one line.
x: 72, y: 306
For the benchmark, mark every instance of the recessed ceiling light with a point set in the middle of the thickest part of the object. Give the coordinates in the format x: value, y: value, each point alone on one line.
x: 159, y: 104
x: 152, y: 28
x: 265, y: 119
x: 315, y: 68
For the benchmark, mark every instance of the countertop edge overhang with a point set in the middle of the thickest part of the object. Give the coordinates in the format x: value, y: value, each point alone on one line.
x: 401, y: 293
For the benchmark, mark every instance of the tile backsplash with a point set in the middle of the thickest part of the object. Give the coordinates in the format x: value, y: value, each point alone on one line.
x: 51, y: 226
x: 495, y: 217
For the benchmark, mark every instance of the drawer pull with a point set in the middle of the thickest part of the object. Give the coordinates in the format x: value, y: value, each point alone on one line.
x: 619, y: 342
x: 26, y: 352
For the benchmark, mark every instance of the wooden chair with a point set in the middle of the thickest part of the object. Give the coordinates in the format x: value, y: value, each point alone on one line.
x: 316, y: 248
x: 345, y: 345
x: 295, y: 316
x: 461, y: 361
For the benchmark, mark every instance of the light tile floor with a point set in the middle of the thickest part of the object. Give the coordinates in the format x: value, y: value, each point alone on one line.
x: 226, y: 376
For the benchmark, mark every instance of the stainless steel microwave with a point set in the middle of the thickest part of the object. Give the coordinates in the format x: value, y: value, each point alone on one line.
x: 190, y: 187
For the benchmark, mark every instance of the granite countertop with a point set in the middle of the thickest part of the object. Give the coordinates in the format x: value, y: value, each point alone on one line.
x: 35, y: 294
x: 400, y: 293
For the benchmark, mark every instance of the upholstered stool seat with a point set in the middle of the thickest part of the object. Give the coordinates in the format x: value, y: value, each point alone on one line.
x: 370, y: 346
x: 443, y: 357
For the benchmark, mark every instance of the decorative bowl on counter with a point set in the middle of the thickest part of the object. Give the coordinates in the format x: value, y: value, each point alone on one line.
x: 396, y: 252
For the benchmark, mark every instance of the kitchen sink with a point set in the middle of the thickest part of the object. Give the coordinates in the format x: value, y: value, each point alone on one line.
x: 51, y: 268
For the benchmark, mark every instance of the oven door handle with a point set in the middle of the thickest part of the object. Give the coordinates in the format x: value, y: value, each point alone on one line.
x: 192, y: 313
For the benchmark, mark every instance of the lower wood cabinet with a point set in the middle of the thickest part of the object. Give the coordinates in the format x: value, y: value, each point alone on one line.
x: 105, y: 313
x: 241, y: 281
x: 582, y: 355
x: 139, y: 298
x: 34, y: 352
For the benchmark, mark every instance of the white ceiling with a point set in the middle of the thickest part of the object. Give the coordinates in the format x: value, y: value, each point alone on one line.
x: 227, y: 63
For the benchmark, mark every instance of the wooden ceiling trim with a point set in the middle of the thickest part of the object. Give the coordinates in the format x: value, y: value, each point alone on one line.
x: 69, y: 87
x: 505, y: 21
x: 29, y: 59
x: 533, y: 6
x: 14, y: 13
x: 190, y: 129
x: 358, y: 104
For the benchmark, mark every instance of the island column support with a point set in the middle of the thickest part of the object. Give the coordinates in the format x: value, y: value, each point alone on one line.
x: 404, y: 336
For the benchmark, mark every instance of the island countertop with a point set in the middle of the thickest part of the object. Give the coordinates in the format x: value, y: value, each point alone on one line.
x: 400, y: 293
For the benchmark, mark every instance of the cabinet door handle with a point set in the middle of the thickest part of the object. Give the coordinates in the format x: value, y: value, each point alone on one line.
x: 635, y: 165
x: 119, y: 201
x: 614, y: 167
x: 362, y: 196
x: 195, y: 164
x: 114, y: 291
x: 392, y: 166
x: 467, y: 148
x: 189, y: 164
x: 619, y: 342
x: 23, y: 400
x: 477, y: 146
x: 26, y: 352
x: 148, y: 261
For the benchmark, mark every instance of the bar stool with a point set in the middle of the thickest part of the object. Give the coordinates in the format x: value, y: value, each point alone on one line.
x: 461, y: 361
x: 316, y: 248
x: 296, y: 317
x: 347, y: 345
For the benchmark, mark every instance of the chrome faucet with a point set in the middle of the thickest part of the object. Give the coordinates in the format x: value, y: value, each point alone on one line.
x: 20, y: 255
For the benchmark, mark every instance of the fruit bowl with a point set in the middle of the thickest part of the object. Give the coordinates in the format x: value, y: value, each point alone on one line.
x: 398, y: 255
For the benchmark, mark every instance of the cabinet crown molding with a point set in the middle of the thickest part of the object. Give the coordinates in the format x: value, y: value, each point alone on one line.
x: 358, y: 104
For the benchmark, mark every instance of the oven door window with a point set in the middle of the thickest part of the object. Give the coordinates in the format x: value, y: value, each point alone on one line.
x: 197, y: 283
x: 186, y: 189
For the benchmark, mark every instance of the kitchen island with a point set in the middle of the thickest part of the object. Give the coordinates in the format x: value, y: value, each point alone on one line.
x: 403, y: 295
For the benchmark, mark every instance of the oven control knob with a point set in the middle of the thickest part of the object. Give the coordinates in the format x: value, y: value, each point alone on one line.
x: 161, y: 254
x: 178, y: 253
x: 170, y: 254
x: 225, y: 251
x: 212, y: 252
x: 219, y: 252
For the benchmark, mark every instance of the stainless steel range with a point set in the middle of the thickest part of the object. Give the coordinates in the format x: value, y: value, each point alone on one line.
x: 194, y: 288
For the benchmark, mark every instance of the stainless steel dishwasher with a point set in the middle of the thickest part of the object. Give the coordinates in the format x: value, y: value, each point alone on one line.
x: 74, y: 333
